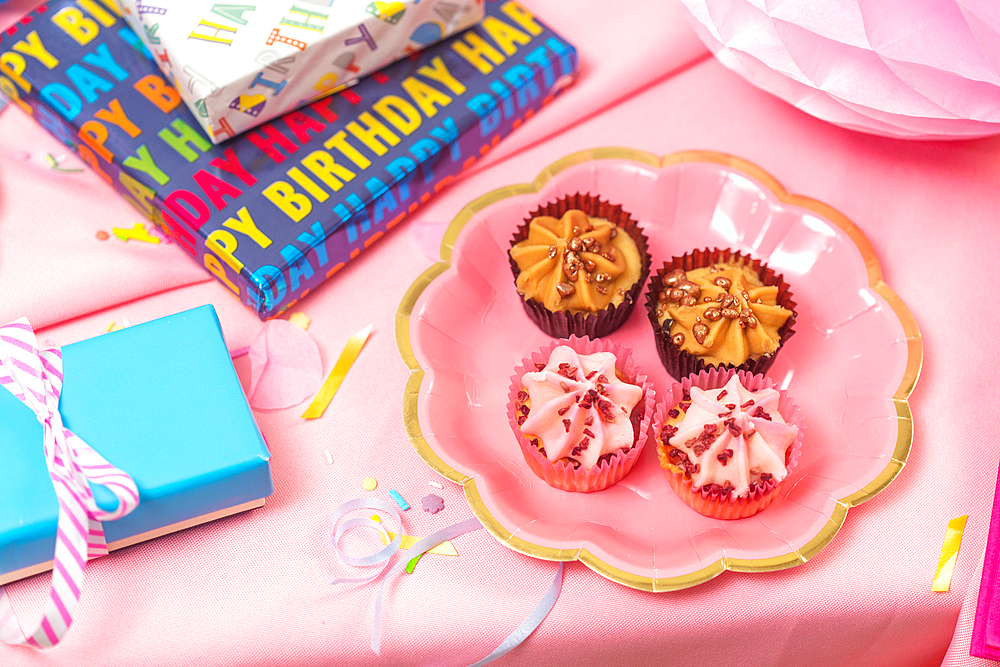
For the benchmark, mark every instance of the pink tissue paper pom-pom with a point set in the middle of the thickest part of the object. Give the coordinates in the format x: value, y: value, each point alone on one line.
x: 914, y: 69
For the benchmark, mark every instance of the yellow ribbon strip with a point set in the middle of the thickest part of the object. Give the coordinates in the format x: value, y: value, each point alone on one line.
x: 336, y: 376
x: 949, y: 554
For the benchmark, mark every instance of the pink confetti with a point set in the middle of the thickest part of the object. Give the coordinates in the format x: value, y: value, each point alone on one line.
x: 285, y: 366
x: 432, y: 503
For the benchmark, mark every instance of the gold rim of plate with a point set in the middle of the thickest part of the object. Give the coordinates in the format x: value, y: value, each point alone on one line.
x: 904, y: 436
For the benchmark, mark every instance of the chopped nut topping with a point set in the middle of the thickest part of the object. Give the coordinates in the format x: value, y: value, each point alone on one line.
x: 565, y: 290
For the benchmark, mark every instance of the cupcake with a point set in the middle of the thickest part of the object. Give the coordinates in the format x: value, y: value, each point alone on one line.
x: 718, y: 308
x: 727, y: 441
x: 581, y: 412
x: 579, y: 264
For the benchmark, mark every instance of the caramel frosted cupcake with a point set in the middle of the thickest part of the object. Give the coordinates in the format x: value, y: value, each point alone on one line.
x: 718, y: 308
x: 581, y: 412
x: 727, y: 441
x: 578, y: 265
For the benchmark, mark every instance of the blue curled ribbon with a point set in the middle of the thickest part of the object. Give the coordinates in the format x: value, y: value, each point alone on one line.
x: 522, y: 632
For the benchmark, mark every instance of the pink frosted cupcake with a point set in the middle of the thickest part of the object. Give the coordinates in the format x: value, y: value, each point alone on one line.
x: 727, y: 441
x: 581, y: 411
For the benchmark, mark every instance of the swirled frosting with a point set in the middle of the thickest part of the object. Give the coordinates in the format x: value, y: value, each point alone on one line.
x: 579, y: 408
x: 576, y: 263
x: 728, y: 439
x: 721, y: 313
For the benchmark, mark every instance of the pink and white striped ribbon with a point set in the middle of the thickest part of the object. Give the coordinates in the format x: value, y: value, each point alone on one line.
x: 35, y: 377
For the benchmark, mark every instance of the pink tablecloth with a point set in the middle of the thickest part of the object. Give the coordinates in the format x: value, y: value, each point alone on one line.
x: 255, y: 589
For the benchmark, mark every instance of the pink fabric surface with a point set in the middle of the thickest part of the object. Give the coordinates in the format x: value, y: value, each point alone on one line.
x: 958, y: 651
x: 254, y: 589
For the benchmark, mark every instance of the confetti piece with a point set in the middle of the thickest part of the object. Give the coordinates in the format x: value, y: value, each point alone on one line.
x: 949, y: 554
x: 54, y: 162
x: 137, y: 233
x: 398, y: 499
x: 114, y: 326
x: 369, y: 483
x: 329, y: 456
x: 301, y: 319
x: 332, y: 384
x: 102, y: 235
x: 412, y: 563
x: 285, y: 366
x: 435, y: 485
x: 432, y: 503
x: 407, y: 541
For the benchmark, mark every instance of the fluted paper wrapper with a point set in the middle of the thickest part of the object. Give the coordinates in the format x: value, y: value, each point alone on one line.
x: 680, y: 364
x: 714, y: 504
x: 560, y: 323
x: 562, y: 475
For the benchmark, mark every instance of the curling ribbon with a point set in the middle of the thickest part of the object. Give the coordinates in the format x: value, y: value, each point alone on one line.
x: 35, y: 377
x: 513, y: 640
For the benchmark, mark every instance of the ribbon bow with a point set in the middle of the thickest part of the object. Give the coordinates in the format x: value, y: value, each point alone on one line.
x: 35, y: 377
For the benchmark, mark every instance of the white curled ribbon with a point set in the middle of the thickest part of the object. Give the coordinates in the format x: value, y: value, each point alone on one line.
x: 35, y: 377
x: 424, y: 545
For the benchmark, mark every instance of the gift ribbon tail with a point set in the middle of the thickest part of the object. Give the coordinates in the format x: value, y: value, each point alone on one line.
x: 34, y: 376
x: 529, y: 624
x: 426, y: 544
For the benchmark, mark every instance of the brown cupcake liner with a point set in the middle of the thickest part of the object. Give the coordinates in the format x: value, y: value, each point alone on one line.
x: 679, y: 363
x: 713, y: 503
x: 560, y: 323
x: 560, y: 474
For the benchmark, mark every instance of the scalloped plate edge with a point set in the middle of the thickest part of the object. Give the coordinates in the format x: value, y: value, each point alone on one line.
x: 904, y: 436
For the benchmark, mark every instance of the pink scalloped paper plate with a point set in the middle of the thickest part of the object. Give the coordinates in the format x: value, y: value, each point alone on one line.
x: 850, y: 367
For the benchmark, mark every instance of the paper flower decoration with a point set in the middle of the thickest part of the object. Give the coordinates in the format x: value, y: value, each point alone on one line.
x: 285, y: 366
x: 917, y: 69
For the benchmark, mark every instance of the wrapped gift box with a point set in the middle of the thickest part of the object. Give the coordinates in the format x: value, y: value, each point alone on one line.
x: 276, y: 211
x: 160, y: 401
x: 238, y: 66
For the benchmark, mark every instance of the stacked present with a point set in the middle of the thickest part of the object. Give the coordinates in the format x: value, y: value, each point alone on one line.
x: 276, y: 211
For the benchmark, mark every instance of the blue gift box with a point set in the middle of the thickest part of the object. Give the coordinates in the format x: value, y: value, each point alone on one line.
x: 160, y: 401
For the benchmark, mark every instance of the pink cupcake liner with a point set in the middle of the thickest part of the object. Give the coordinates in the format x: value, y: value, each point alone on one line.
x: 560, y: 323
x: 562, y: 475
x: 681, y: 364
x: 714, y: 504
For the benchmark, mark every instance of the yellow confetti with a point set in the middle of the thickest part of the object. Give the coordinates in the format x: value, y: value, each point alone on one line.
x: 300, y: 319
x: 112, y: 327
x: 369, y: 483
x: 137, y: 233
x: 949, y: 554
x: 54, y: 163
x: 332, y: 383
x: 407, y: 541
